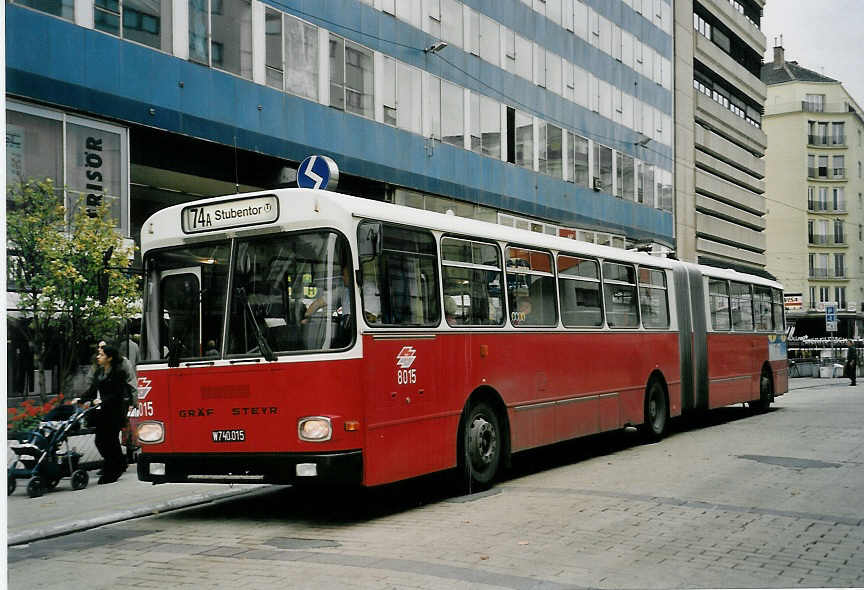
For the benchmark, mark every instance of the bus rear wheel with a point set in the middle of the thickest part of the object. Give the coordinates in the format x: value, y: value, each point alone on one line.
x: 482, y: 441
x: 656, y: 412
x: 766, y: 393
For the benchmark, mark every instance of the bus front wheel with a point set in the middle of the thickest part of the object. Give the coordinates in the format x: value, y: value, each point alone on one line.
x: 656, y: 412
x: 482, y: 440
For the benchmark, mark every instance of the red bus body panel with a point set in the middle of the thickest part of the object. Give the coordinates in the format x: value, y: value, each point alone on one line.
x: 408, y: 393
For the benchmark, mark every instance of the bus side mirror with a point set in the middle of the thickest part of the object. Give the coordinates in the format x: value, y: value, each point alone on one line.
x: 369, y: 240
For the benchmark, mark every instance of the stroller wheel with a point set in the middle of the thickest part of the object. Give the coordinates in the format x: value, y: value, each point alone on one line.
x: 11, y: 484
x: 34, y: 487
x: 80, y: 479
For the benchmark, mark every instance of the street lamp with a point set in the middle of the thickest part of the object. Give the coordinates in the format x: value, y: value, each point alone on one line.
x: 435, y: 47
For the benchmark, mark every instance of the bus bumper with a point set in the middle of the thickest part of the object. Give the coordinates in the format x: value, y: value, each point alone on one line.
x: 344, y: 467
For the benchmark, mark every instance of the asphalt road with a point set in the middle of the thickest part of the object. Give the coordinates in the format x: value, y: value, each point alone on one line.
x: 736, y: 500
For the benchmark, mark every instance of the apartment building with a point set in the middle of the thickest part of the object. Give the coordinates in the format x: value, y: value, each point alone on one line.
x: 720, y: 145
x: 554, y: 115
x: 815, y: 184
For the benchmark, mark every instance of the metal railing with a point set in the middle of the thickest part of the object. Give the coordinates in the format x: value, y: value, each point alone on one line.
x: 833, y: 140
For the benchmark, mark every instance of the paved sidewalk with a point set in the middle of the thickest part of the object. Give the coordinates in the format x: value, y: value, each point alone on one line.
x: 809, y: 382
x: 64, y: 510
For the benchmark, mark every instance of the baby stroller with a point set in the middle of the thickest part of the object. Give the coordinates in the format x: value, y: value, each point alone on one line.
x: 44, y: 455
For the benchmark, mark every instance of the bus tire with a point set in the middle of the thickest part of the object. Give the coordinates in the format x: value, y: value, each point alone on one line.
x: 766, y: 392
x: 656, y: 412
x: 481, y: 443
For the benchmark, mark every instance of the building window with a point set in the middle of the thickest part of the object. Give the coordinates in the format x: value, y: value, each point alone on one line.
x: 839, y: 166
x: 490, y: 33
x: 838, y: 199
x: 485, y: 126
x: 603, y: 166
x: 822, y: 171
x: 838, y: 137
x: 91, y: 156
x: 65, y: 9
x: 220, y: 35
x: 818, y: 266
x: 551, y: 150
x: 291, y: 54
x: 452, y: 114
x: 524, y: 138
x: 451, y: 22
x: 628, y: 179
x: 814, y: 103
x: 839, y: 234
x: 840, y: 297
x: 408, y: 90
x: 148, y: 23
x: 578, y: 151
x: 350, y: 77
x: 839, y: 266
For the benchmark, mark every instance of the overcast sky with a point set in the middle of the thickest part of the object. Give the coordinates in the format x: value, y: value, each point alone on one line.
x: 826, y: 36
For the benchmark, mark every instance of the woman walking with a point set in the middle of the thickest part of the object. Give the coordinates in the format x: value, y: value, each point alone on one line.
x: 111, y: 382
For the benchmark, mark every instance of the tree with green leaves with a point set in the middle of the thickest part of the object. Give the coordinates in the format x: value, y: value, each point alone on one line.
x: 72, y: 275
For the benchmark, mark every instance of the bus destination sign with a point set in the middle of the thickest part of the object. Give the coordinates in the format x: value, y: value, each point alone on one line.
x: 228, y: 214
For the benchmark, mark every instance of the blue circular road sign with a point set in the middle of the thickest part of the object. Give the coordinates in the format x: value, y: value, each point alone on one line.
x: 318, y: 172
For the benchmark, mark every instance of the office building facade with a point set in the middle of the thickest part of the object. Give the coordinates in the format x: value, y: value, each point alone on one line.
x: 719, y: 143
x: 555, y: 115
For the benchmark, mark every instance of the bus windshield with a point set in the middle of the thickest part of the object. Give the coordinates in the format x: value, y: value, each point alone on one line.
x: 289, y: 293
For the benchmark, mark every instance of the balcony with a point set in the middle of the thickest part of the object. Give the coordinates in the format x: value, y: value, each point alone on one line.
x: 821, y: 173
x: 818, y: 273
x: 838, y: 141
x: 803, y: 106
x: 822, y: 207
x: 817, y: 240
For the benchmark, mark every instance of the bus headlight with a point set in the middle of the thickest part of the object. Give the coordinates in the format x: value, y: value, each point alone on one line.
x: 151, y: 432
x: 314, y: 428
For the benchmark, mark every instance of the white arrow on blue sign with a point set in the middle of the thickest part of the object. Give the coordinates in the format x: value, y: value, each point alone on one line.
x: 318, y: 172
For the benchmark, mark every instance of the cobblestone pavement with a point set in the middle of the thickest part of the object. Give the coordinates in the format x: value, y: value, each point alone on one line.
x: 738, y: 500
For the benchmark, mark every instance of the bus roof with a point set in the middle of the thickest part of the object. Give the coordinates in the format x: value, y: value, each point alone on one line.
x: 318, y: 208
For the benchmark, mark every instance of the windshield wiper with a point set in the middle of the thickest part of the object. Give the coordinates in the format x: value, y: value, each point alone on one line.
x: 263, y: 346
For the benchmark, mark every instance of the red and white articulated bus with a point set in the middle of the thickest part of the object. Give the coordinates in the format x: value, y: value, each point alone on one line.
x: 299, y: 336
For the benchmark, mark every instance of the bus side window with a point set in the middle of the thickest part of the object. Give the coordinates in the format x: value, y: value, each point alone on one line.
x: 741, y: 303
x: 653, y: 299
x: 619, y: 289
x: 777, y: 309
x: 530, y: 287
x: 718, y: 291
x: 579, y: 285
x: 472, y: 277
x: 762, y: 308
x: 400, y: 285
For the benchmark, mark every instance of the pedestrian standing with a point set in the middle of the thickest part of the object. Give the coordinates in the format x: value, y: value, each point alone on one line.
x: 851, y: 368
x: 112, y: 383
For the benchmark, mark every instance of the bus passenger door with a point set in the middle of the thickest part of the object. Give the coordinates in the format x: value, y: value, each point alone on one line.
x: 180, y: 308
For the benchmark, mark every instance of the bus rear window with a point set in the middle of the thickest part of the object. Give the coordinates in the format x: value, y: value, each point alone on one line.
x: 400, y: 279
